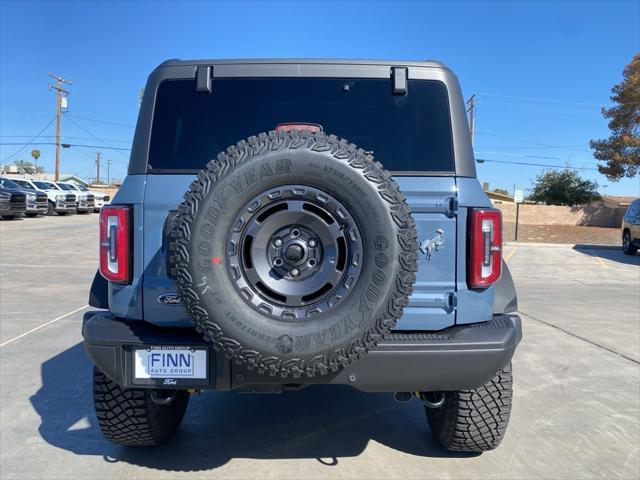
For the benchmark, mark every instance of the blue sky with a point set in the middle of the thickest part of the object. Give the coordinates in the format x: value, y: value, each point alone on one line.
x: 541, y: 70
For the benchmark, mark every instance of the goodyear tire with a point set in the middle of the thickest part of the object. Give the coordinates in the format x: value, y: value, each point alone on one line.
x: 474, y: 420
x: 294, y: 253
x: 131, y: 417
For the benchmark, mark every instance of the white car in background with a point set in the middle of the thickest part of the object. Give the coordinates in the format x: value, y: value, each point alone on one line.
x: 86, y: 200
x: 101, y: 198
x: 59, y: 201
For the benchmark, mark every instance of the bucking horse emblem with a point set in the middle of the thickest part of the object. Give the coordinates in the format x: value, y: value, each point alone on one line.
x: 433, y: 244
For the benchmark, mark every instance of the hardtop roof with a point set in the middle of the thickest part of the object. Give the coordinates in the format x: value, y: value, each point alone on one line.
x: 307, y: 61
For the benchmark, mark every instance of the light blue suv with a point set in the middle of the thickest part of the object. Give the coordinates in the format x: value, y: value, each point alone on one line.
x: 286, y: 223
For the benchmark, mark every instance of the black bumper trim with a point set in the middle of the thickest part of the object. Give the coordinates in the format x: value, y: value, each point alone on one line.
x: 457, y: 358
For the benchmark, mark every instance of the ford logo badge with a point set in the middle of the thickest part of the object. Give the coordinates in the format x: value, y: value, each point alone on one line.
x: 169, y: 299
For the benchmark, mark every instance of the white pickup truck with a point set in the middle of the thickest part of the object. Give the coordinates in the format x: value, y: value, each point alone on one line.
x: 59, y: 201
x: 101, y: 198
x: 85, y: 200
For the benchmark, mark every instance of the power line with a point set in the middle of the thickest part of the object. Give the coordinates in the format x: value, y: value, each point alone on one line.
x: 30, y: 142
x: 64, y: 136
x: 539, y: 147
x: 539, y: 108
x: 523, y: 155
x: 482, y: 160
x: 93, y: 135
x: 547, y: 100
x: 531, y: 142
x: 100, y: 121
x: 66, y: 145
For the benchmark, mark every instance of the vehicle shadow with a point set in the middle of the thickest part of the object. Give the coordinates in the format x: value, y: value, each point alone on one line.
x: 323, y: 423
x: 612, y: 254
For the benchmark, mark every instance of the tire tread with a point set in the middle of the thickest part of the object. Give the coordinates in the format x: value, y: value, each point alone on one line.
x: 129, y: 416
x: 474, y: 420
x: 373, y: 172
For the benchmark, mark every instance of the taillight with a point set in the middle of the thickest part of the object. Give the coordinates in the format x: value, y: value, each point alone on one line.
x: 485, y: 247
x: 115, y: 243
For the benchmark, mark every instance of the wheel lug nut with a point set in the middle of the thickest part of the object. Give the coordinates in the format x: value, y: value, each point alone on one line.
x: 277, y: 242
x: 295, y: 272
x: 313, y: 242
x: 277, y: 262
x: 294, y: 232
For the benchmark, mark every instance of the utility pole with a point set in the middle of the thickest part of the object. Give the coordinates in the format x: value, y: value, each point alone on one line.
x: 61, y: 92
x: 98, y: 167
x: 472, y: 113
x: 108, y: 168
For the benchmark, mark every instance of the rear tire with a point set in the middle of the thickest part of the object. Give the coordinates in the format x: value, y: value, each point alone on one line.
x: 31, y: 215
x: 9, y: 217
x: 474, y: 420
x: 130, y: 417
x: 627, y: 246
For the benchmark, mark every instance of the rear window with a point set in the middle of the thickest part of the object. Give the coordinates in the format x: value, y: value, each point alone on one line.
x: 409, y: 133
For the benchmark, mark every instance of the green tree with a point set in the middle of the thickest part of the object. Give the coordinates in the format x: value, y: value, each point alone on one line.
x: 501, y: 191
x: 563, y: 187
x: 621, y: 151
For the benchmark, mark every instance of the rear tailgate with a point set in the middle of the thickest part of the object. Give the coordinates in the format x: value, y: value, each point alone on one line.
x: 163, y: 194
x: 433, y: 201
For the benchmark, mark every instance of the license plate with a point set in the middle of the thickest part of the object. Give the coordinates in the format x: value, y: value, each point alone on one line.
x: 170, y: 362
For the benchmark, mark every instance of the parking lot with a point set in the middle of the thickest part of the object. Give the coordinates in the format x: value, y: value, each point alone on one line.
x: 577, y: 384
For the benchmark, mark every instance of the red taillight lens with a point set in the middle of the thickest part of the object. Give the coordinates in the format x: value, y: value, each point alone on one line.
x: 115, y: 243
x: 485, y: 247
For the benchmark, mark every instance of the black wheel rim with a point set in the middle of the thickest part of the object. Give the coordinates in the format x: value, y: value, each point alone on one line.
x: 294, y: 252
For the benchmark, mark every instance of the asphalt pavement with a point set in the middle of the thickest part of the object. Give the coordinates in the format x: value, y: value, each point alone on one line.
x: 576, y: 410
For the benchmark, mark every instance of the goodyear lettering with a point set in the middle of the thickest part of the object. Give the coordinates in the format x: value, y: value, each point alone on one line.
x: 207, y: 230
x: 236, y: 184
x: 302, y: 343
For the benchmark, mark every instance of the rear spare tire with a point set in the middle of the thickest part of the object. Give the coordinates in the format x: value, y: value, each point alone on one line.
x: 294, y: 253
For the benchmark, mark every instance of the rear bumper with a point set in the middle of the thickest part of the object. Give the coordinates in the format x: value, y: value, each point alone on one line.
x: 456, y: 358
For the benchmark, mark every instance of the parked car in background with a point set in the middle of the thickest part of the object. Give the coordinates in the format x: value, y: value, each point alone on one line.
x: 59, y: 201
x: 36, y: 201
x: 13, y: 203
x: 631, y: 228
x: 101, y: 198
x: 85, y: 202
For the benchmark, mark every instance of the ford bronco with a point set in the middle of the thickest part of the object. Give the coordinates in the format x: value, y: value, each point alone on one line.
x: 287, y: 223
